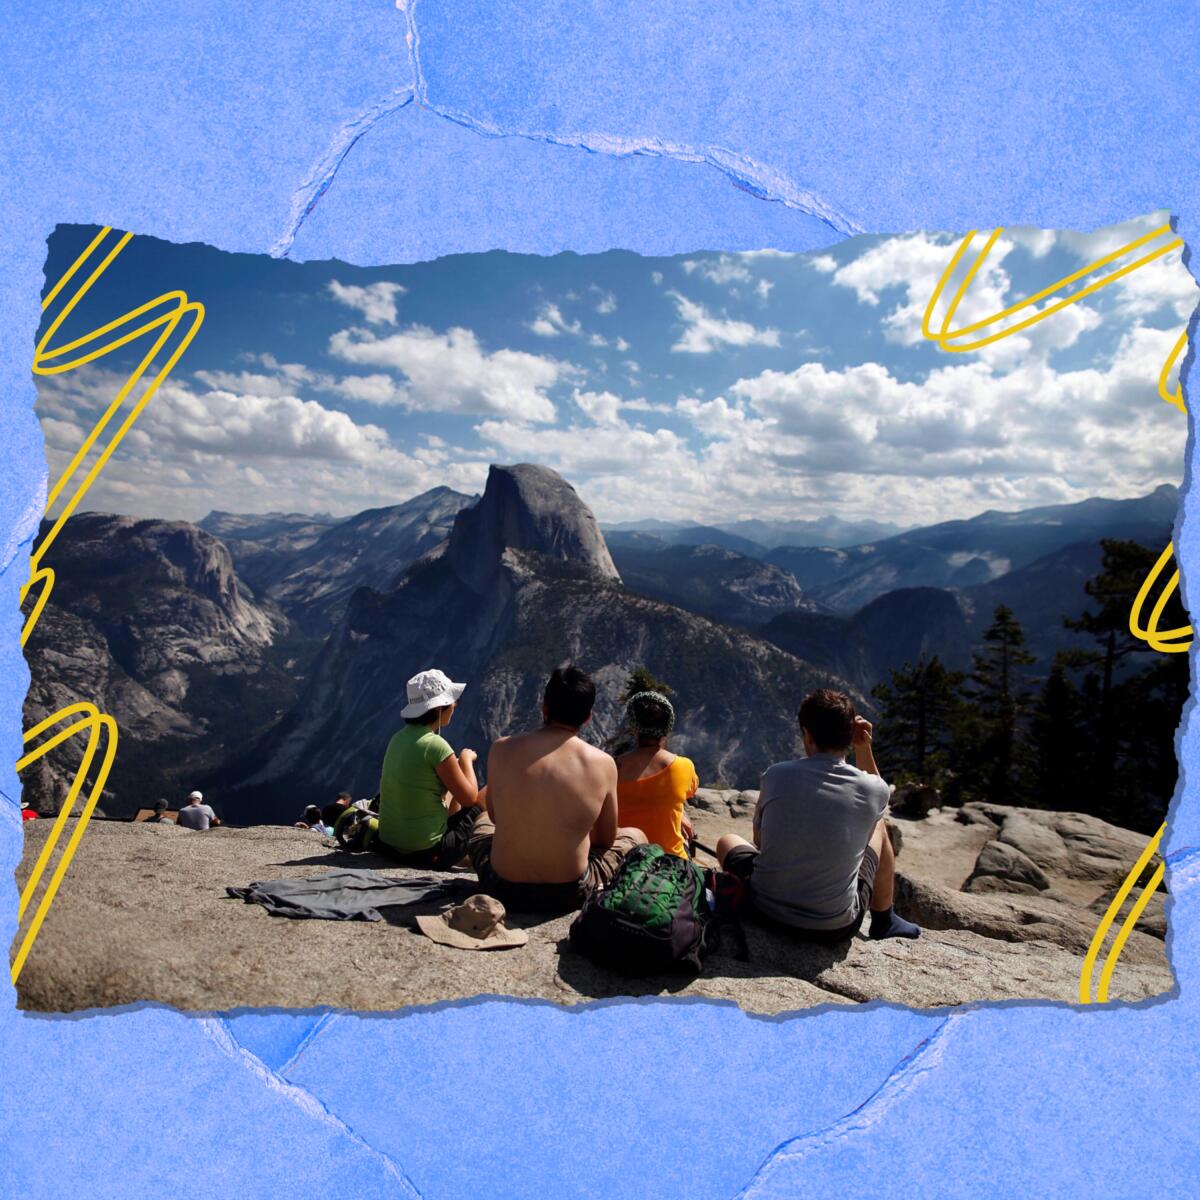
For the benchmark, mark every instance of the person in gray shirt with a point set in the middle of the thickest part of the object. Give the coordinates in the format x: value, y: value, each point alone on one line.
x: 195, y: 814
x: 821, y: 856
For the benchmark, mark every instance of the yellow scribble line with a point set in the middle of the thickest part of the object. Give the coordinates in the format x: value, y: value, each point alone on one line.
x: 1175, y: 397
x: 1110, y: 915
x: 96, y: 724
x: 945, y: 335
x: 172, y: 310
x: 1166, y: 641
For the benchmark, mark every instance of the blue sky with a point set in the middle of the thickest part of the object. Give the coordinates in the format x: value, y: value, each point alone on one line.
x: 707, y: 386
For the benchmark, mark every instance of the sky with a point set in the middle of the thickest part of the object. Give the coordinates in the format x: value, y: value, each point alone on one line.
x: 703, y: 387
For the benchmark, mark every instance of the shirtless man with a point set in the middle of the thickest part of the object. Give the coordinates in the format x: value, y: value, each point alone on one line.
x: 550, y: 838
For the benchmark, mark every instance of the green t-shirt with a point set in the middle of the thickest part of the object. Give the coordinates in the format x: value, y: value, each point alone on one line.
x: 411, y: 813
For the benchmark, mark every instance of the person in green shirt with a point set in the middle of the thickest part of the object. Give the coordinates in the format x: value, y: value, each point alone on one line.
x: 428, y: 795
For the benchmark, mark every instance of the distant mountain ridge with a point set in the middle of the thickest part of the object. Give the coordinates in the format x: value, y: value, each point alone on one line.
x: 755, y: 537
x: 706, y: 579
x: 966, y: 553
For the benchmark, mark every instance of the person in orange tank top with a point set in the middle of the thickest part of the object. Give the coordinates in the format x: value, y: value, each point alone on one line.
x: 653, y: 784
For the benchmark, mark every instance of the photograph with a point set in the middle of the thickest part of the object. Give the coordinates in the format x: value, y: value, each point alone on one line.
x: 741, y: 625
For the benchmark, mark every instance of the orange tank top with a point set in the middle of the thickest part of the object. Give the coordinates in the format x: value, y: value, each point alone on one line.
x: 655, y: 804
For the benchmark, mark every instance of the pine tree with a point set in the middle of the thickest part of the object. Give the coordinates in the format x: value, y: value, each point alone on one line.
x: 1132, y: 696
x: 1055, y: 741
x: 919, y: 707
x: 641, y: 680
x: 991, y: 758
x: 1119, y: 717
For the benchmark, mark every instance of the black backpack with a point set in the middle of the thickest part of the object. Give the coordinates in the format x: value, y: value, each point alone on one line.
x: 652, y: 917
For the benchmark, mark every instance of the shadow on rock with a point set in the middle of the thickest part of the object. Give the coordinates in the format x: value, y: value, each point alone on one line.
x: 771, y: 953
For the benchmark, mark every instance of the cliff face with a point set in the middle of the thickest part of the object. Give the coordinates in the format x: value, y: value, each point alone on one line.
x: 899, y: 627
x: 524, y: 584
x: 372, y: 548
x: 530, y: 508
x: 148, y: 620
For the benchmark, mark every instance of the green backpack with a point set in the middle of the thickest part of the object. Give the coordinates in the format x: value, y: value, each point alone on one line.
x: 652, y: 917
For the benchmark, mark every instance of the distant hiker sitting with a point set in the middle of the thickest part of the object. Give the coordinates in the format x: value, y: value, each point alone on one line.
x: 195, y: 814
x: 653, y: 784
x: 335, y: 809
x: 159, y: 815
x: 824, y: 856
x: 312, y: 820
x: 428, y: 796
x: 550, y: 837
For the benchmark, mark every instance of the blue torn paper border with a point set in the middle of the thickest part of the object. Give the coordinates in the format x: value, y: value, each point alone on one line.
x: 375, y: 134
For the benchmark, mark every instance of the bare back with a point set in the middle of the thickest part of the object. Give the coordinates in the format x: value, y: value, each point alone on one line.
x: 552, y: 797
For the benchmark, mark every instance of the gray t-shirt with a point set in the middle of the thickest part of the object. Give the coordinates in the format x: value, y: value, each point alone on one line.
x: 814, y: 816
x: 195, y: 816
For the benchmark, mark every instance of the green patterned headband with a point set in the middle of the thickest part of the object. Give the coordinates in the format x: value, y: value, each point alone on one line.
x: 651, y: 724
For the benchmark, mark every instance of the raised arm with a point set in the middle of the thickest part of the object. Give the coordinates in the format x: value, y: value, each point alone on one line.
x: 864, y: 754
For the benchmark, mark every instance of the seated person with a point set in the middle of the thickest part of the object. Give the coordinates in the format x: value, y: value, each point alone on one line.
x: 195, y: 814
x: 159, y: 815
x: 823, y: 854
x: 653, y: 784
x: 312, y: 820
x: 335, y: 809
x: 428, y: 796
x: 550, y: 837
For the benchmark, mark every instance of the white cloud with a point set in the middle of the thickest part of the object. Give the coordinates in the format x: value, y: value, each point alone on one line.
x: 641, y: 404
x: 763, y: 288
x: 1038, y: 242
x: 825, y: 263
x: 724, y: 269
x: 607, y: 303
x: 621, y: 344
x: 376, y: 301
x: 550, y: 322
x: 703, y: 332
x: 602, y: 407
x: 257, y: 384
x: 1165, y: 281
x: 192, y: 450
x: 370, y: 389
x: 451, y: 372
x: 656, y: 277
x: 585, y: 450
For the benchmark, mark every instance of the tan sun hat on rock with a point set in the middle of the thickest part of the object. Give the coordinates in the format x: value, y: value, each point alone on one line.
x: 475, y: 924
x: 430, y: 689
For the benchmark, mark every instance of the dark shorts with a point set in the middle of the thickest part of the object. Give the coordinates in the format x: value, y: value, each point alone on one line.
x: 544, y: 897
x: 450, y: 850
x: 740, y: 862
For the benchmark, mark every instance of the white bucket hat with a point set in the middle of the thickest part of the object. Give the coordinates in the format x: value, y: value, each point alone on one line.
x: 475, y: 924
x: 430, y: 689
x: 195, y: 795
